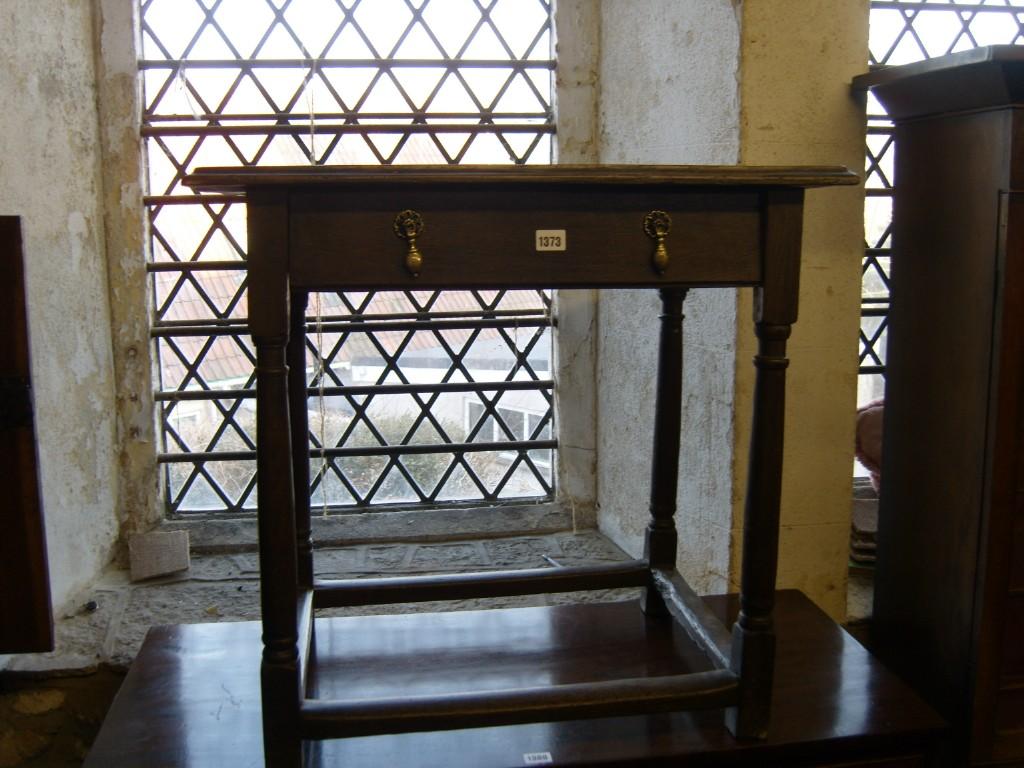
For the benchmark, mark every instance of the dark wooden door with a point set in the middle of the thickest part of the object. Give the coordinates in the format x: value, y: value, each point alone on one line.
x: 26, y: 620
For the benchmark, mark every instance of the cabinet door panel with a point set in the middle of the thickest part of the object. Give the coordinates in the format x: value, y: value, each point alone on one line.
x: 26, y: 621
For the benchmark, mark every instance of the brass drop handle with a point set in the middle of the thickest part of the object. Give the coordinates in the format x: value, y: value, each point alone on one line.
x: 408, y: 226
x: 657, y: 225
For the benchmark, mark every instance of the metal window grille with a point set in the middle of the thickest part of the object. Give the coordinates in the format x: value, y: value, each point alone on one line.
x: 901, y: 32
x: 391, y: 375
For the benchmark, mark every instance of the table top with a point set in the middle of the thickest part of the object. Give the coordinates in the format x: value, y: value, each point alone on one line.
x: 481, y: 227
x: 238, y: 179
x: 192, y: 697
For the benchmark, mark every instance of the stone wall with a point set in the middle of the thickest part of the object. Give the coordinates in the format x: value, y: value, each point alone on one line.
x: 659, y: 81
x: 668, y: 94
x: 50, y: 175
x: 758, y: 82
x: 577, y: 32
x: 796, y: 108
x: 118, y: 91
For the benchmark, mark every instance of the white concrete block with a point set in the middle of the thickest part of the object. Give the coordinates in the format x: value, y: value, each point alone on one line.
x: 157, y: 554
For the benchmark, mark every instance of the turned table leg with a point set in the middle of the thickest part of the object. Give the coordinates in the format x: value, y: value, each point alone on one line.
x: 299, y: 413
x: 661, y: 537
x: 270, y: 324
x: 753, y: 634
x: 775, y: 310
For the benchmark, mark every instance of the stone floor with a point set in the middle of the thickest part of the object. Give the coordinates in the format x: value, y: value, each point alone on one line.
x: 111, y: 619
x: 860, y: 593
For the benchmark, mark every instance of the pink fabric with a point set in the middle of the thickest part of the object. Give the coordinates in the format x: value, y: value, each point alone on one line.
x: 869, y: 439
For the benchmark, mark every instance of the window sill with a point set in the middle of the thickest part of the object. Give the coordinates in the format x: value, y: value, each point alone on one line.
x: 210, y: 535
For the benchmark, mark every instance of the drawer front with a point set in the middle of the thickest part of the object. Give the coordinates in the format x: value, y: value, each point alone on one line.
x: 523, y: 238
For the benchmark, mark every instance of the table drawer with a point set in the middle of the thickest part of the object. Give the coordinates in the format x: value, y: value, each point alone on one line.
x: 482, y: 238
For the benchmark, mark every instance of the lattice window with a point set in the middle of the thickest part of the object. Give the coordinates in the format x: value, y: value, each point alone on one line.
x: 391, y: 375
x: 900, y: 33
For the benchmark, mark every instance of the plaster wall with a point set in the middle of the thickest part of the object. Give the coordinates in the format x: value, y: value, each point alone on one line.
x: 50, y: 176
x: 577, y: 46
x: 118, y: 90
x: 668, y: 94
x: 797, y: 61
x: 758, y: 82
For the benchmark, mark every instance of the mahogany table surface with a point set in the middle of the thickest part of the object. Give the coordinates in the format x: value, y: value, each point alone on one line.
x: 192, y: 696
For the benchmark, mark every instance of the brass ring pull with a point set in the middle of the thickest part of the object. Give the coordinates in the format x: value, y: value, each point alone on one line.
x: 408, y: 226
x: 657, y: 225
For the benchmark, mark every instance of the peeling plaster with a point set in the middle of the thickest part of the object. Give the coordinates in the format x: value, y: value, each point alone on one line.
x: 78, y: 230
x: 118, y: 99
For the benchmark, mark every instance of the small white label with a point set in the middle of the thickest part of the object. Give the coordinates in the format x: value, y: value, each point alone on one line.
x: 538, y: 758
x: 550, y: 240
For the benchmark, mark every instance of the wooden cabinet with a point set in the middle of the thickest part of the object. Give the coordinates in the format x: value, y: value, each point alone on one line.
x: 949, y: 587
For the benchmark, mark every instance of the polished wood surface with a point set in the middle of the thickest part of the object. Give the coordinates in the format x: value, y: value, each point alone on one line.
x: 234, y: 179
x: 480, y: 227
x: 192, y: 697
x: 483, y: 235
x: 775, y: 310
x: 480, y: 222
x: 979, y: 78
x: 26, y: 621
x: 947, y: 611
x: 462, y: 586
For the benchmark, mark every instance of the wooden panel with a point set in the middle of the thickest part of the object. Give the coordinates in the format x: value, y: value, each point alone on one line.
x: 1013, y: 639
x: 1017, y: 546
x: 485, y: 237
x: 948, y: 606
x: 1007, y: 747
x: 938, y: 389
x: 192, y: 696
x: 1013, y: 256
x: 1010, y: 709
x: 999, y: 628
x: 26, y: 621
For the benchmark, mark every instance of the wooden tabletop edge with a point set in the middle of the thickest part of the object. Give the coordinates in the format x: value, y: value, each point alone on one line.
x: 238, y: 179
